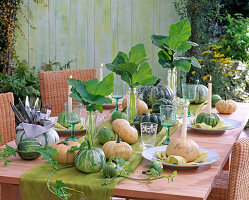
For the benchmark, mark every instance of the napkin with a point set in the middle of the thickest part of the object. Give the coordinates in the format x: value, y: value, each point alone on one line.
x: 33, y: 130
x: 78, y: 126
x: 178, y: 160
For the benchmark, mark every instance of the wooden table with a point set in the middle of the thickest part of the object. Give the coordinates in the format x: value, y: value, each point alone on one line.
x: 189, y: 184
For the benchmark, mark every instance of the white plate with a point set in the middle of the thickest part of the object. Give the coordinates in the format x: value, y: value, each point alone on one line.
x: 149, y: 154
x: 231, y: 122
x: 60, y: 131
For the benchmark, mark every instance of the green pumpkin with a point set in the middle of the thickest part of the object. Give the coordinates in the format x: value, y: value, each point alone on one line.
x: 158, y: 103
x: 90, y: 160
x: 27, y: 149
x: 150, y: 94
x: 106, y: 134
x: 119, y: 115
x: 209, y: 119
x: 110, y: 169
x: 215, y: 99
x: 62, y: 121
x: 201, y: 94
x: 154, y: 117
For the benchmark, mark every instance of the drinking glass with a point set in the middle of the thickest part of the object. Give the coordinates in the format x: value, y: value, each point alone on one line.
x: 188, y: 93
x: 148, y: 134
x: 168, y: 118
x: 118, y: 91
x: 72, y: 117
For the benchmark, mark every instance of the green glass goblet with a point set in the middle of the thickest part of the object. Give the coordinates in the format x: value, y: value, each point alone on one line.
x: 189, y: 93
x: 118, y: 91
x: 168, y: 119
x: 72, y: 117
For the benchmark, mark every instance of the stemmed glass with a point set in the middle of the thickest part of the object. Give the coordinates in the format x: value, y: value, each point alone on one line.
x: 188, y: 93
x: 72, y: 117
x: 118, y: 91
x: 168, y: 119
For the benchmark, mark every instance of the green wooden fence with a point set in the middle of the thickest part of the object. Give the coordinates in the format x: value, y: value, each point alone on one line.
x: 92, y: 31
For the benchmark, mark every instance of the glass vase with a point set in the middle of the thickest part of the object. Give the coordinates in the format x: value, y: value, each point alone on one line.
x: 172, y: 82
x: 90, y: 121
x: 132, y: 104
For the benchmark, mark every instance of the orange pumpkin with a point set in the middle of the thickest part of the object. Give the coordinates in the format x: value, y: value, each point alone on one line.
x: 65, y: 157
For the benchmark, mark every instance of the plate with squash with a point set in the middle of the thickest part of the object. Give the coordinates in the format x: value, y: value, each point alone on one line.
x: 221, y: 126
x: 206, y: 157
x: 63, y: 128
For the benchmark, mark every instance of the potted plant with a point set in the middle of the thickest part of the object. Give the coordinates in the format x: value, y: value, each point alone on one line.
x: 135, y: 71
x: 173, y: 47
x: 92, y: 94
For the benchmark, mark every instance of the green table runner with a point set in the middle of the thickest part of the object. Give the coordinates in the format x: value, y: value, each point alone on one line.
x: 33, y: 182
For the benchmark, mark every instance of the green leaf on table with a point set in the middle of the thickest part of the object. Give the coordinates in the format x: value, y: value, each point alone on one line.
x: 120, y: 161
x: 6, y: 152
x: 137, y: 54
x: 179, y: 33
x: 60, y: 190
x: 144, y: 75
x: 129, y: 170
x: 48, y: 154
x: 73, y: 148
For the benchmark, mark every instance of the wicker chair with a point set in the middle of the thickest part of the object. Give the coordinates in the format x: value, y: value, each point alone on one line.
x: 234, y: 185
x: 54, y: 87
x: 7, y: 117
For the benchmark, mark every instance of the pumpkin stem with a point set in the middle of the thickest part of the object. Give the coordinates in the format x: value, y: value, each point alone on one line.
x: 63, y: 142
x: 157, y: 82
x: 118, y: 140
x: 89, y: 144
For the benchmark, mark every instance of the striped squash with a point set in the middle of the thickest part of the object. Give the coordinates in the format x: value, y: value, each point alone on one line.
x: 27, y: 149
x: 46, y: 139
x: 90, y: 160
x: 160, y: 102
x: 150, y: 94
x: 215, y: 99
x: 209, y: 119
x: 201, y: 94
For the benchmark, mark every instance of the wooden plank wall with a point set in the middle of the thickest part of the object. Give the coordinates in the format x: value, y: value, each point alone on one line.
x: 90, y: 32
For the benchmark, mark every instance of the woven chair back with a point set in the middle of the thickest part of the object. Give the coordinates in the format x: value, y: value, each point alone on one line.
x: 54, y: 87
x: 238, y: 187
x: 7, y: 118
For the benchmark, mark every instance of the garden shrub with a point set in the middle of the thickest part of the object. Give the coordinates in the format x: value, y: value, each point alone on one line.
x: 230, y: 78
x: 235, y: 43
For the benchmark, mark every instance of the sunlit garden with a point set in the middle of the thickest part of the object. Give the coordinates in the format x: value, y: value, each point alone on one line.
x: 114, y: 99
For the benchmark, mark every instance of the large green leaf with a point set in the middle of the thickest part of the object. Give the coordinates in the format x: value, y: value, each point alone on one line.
x: 74, y: 82
x: 182, y: 64
x: 129, y: 67
x: 195, y: 62
x: 125, y: 76
x: 99, y: 100
x: 165, y: 59
x: 120, y: 58
x: 137, y: 54
x: 82, y: 91
x: 144, y: 76
x: 92, y: 85
x: 179, y: 33
x: 93, y: 108
x: 105, y: 87
x: 160, y: 40
x: 193, y: 44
